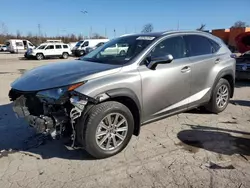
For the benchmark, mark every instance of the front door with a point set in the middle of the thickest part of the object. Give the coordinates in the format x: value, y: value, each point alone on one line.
x: 49, y: 51
x: 167, y: 88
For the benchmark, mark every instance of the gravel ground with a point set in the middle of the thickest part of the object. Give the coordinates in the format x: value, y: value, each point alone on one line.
x: 193, y: 149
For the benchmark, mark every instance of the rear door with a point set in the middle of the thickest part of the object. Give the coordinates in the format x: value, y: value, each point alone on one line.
x: 204, y: 58
x: 58, y: 49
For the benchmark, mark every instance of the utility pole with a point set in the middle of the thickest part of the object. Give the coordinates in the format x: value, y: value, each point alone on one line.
x: 105, y: 32
x: 114, y: 33
x: 39, y: 33
x: 90, y: 32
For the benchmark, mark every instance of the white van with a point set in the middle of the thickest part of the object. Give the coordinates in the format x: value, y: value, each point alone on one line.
x: 80, y: 47
x: 18, y: 45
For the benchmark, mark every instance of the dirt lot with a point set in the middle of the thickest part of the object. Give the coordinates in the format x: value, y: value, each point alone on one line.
x: 192, y: 149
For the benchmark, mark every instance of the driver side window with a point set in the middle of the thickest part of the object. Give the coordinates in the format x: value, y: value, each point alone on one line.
x: 85, y: 44
x: 50, y: 47
x: 174, y: 46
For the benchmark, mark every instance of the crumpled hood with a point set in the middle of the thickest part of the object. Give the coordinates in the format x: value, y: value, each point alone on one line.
x: 61, y: 74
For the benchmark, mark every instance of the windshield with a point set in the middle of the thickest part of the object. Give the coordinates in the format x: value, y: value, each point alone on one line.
x: 79, y: 43
x: 41, y: 47
x: 120, y: 50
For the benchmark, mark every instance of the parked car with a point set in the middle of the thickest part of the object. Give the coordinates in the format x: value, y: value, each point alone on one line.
x: 90, y: 49
x: 117, y: 49
x: 47, y: 50
x: 243, y: 66
x: 80, y: 47
x: 18, y: 45
x: 102, y: 99
x: 3, y: 48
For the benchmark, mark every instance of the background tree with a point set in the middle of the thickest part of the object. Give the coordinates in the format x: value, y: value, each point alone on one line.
x: 147, y: 28
x: 239, y: 24
x: 201, y: 28
x: 18, y: 34
x: 97, y: 36
x: 3, y: 29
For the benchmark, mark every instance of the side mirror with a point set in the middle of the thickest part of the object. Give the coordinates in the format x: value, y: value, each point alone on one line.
x: 154, y: 61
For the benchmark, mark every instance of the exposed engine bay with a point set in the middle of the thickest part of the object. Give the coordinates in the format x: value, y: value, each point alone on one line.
x: 50, y: 115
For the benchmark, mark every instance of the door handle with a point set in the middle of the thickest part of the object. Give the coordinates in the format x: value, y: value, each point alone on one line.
x: 217, y: 61
x: 185, y: 69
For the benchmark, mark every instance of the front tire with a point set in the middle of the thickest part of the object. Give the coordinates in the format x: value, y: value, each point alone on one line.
x: 81, y: 53
x: 220, y: 97
x: 39, y: 56
x: 107, y: 130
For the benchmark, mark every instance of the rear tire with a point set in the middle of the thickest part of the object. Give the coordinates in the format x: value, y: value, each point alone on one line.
x: 220, y: 97
x: 101, y: 127
x: 65, y: 55
x: 39, y: 56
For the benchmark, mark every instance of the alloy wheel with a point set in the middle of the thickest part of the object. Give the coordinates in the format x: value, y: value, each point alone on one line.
x: 222, y: 96
x: 111, y: 131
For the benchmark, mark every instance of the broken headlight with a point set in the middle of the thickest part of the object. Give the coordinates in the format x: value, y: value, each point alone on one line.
x: 55, y: 93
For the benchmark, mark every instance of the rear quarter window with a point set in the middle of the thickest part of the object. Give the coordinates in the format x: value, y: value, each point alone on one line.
x: 65, y: 46
x: 198, y: 45
x: 215, y: 46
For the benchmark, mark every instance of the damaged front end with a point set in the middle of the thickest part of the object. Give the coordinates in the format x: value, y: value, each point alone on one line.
x: 51, y: 112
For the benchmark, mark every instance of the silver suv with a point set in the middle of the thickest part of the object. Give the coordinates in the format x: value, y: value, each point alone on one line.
x: 103, y: 98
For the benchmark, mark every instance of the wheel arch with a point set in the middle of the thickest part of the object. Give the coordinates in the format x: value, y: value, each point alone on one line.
x: 229, y: 76
x: 128, y: 98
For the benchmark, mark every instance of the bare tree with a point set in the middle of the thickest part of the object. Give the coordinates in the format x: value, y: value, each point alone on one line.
x: 97, y: 36
x: 3, y: 29
x: 147, y: 28
x: 18, y: 34
x: 201, y: 28
x: 80, y: 37
x: 239, y: 24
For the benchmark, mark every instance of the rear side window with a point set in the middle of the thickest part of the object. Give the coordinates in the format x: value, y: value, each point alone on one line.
x: 19, y: 44
x: 198, y: 45
x: 215, y: 46
x: 58, y: 47
x: 65, y: 46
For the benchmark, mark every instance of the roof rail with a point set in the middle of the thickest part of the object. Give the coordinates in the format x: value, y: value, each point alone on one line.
x: 51, y: 41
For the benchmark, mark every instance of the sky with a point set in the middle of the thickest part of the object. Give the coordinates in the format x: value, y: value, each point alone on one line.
x: 63, y: 17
